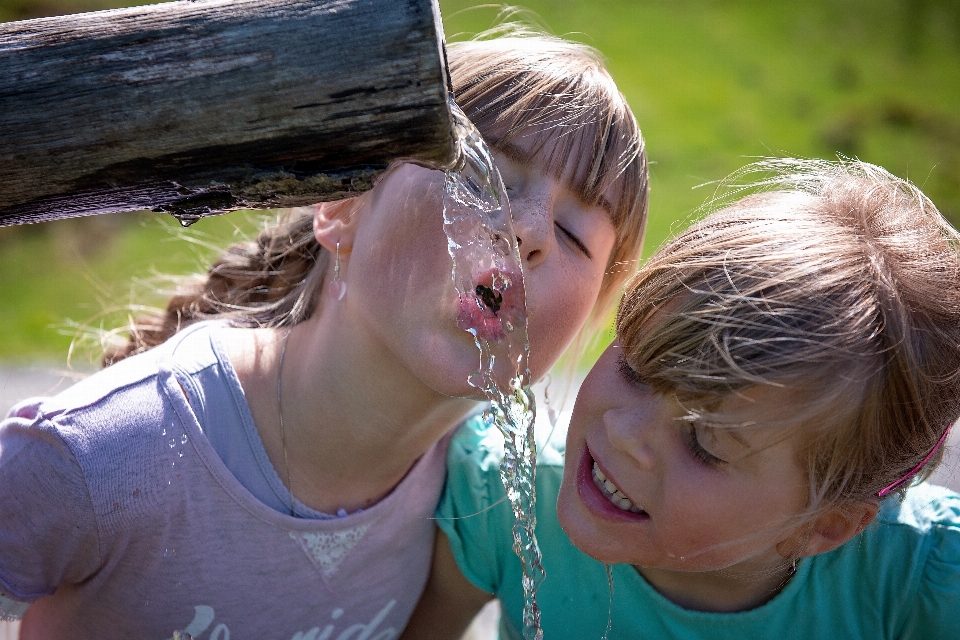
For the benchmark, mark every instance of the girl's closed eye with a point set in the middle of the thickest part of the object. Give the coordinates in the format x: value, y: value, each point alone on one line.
x: 573, y: 239
x: 627, y: 372
x: 692, y: 437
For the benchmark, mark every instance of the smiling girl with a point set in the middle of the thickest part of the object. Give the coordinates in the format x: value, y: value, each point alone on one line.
x: 266, y: 462
x: 746, y: 452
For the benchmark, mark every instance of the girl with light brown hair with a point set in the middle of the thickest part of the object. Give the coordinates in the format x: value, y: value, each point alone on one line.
x: 748, y: 452
x: 267, y: 461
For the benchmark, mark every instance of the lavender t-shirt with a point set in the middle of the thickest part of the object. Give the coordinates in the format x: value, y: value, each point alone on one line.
x: 121, y: 521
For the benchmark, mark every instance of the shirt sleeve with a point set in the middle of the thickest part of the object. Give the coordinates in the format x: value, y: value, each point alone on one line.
x: 937, y: 601
x: 473, y: 511
x: 48, y: 532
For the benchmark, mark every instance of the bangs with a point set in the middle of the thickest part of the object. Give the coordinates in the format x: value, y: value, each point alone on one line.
x: 558, y: 96
x: 742, y: 299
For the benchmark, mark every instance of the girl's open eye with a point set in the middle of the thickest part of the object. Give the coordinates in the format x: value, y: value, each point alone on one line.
x: 582, y: 248
x: 697, y: 449
x: 627, y: 372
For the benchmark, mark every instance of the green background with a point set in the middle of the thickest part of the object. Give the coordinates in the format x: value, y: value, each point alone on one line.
x: 712, y: 84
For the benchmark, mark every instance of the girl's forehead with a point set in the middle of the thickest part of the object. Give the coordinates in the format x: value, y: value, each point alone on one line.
x: 536, y: 151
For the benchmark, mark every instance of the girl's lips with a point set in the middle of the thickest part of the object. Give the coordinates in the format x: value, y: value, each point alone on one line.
x: 475, y: 318
x: 596, y: 502
x: 495, y: 298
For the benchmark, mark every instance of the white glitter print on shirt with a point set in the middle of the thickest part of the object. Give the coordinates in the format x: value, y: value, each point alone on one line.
x: 327, y: 550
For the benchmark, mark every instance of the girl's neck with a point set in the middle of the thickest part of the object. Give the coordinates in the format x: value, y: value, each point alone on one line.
x: 354, y: 420
x: 722, y: 591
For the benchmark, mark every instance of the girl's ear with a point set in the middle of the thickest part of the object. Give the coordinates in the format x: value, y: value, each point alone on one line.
x: 335, y: 222
x: 830, y: 529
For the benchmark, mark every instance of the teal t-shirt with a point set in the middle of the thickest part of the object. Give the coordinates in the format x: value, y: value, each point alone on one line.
x: 899, y: 579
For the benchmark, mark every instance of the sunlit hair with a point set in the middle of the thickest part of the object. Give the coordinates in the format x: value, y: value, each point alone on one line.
x: 517, y: 84
x: 838, y: 281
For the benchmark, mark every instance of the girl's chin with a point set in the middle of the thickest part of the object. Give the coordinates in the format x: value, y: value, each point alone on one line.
x: 444, y: 363
x: 453, y: 382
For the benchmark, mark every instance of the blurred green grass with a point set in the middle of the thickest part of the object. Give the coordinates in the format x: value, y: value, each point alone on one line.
x: 713, y: 83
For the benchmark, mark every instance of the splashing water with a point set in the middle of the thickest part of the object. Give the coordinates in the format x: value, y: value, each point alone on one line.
x: 488, y: 277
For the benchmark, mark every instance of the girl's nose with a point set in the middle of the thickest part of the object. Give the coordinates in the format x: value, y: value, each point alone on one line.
x: 533, y: 224
x: 631, y: 434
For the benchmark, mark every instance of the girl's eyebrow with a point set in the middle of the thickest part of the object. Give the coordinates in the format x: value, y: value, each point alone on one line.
x: 605, y: 205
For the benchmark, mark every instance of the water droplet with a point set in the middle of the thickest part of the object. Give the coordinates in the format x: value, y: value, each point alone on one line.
x: 180, y: 454
x: 164, y: 432
x: 606, y: 633
x: 183, y: 439
x: 186, y: 219
x: 173, y: 442
x: 169, y: 553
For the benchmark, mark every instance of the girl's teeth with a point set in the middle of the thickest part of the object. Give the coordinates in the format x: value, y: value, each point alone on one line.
x: 614, y: 495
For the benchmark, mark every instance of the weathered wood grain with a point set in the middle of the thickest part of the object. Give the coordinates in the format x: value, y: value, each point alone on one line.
x: 212, y: 105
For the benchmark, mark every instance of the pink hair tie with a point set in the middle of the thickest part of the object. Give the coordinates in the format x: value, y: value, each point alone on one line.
x: 917, y: 468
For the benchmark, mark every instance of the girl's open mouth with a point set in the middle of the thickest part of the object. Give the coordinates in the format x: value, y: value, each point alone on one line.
x: 601, y: 495
x: 610, y: 490
x: 488, y: 309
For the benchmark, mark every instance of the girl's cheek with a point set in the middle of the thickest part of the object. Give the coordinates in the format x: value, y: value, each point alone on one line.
x: 553, y: 331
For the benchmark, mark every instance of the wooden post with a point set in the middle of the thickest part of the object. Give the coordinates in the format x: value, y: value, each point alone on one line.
x: 206, y: 106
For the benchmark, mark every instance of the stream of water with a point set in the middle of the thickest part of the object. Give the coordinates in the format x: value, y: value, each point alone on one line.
x: 488, y: 276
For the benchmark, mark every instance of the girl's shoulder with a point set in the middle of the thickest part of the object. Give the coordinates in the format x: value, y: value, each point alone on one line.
x: 94, y: 389
x: 912, y: 540
x: 926, y: 508
x: 925, y: 529
x: 108, y: 429
x: 130, y: 384
x: 911, y: 558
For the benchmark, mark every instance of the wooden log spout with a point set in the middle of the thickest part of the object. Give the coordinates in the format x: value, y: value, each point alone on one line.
x: 206, y: 106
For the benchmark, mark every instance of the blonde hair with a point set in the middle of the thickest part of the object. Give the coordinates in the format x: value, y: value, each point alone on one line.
x: 838, y: 280
x: 520, y: 83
